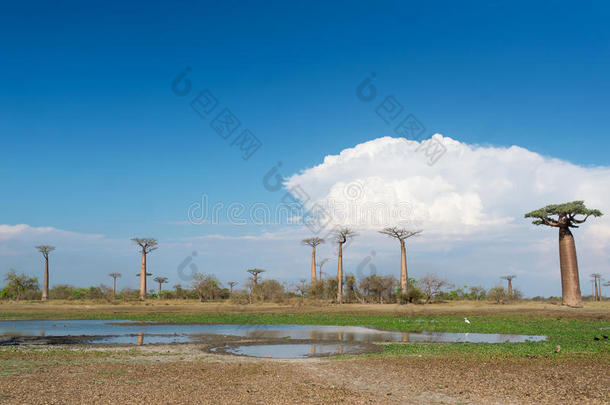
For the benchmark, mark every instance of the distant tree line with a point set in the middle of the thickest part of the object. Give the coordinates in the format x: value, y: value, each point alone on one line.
x: 374, y: 289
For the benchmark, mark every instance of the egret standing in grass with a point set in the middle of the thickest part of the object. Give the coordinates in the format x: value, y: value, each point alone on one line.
x: 467, y: 321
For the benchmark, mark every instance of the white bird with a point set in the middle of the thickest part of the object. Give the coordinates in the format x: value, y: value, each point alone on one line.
x: 467, y: 321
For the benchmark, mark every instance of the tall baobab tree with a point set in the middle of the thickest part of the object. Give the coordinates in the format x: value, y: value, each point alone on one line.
x: 231, y: 285
x: 146, y: 245
x: 114, y: 277
x: 401, y: 234
x: 564, y: 217
x: 597, y: 282
x: 341, y: 236
x: 45, y: 250
x: 313, y: 242
x: 161, y: 281
x: 606, y: 284
x: 510, y: 283
x: 320, y: 264
x: 255, y: 274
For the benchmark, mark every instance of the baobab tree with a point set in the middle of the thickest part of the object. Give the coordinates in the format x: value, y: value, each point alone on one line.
x: 45, y: 250
x: 597, y: 283
x: 606, y: 284
x: 231, y: 285
x: 146, y: 245
x: 255, y: 274
x: 341, y: 236
x: 510, y: 283
x: 401, y: 234
x: 114, y: 277
x: 320, y: 264
x: 564, y: 217
x: 313, y: 242
x: 161, y: 281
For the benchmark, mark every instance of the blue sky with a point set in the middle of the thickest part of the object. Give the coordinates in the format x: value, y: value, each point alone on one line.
x: 95, y: 142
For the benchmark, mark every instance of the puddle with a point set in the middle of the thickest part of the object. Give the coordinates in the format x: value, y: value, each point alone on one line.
x: 284, y: 341
x: 294, y: 351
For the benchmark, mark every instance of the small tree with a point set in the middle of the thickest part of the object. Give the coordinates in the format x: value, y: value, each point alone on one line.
x: 146, y: 245
x: 606, y: 284
x: 564, y: 217
x: 255, y: 275
x: 497, y: 294
x: 341, y: 236
x: 301, y: 289
x: 207, y: 287
x: 161, y: 281
x: 510, y: 283
x: 320, y: 265
x: 19, y: 286
x: 477, y: 293
x: 231, y: 285
x: 114, y: 277
x: 432, y: 285
x: 313, y: 242
x: 401, y: 235
x: 45, y: 250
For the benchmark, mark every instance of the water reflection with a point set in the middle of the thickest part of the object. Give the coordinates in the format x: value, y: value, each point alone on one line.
x: 123, y: 332
x: 293, y: 351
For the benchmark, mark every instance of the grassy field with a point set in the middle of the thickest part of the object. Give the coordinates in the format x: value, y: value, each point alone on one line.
x: 406, y: 373
x: 574, y: 330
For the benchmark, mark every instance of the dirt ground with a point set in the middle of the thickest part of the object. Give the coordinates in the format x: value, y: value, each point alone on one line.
x: 187, y: 373
x: 591, y: 310
x: 183, y: 374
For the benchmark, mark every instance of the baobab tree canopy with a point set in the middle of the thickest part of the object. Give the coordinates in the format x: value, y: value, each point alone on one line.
x: 45, y: 250
x: 146, y: 244
x: 399, y: 233
x: 563, y: 215
x: 343, y: 234
x: 313, y: 242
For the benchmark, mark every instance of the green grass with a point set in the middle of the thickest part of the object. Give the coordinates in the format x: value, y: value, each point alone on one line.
x: 575, y: 336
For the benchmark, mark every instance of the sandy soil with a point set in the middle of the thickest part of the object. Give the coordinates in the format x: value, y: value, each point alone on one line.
x: 186, y: 374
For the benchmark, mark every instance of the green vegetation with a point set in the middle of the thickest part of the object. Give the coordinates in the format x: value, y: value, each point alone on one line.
x: 575, y: 336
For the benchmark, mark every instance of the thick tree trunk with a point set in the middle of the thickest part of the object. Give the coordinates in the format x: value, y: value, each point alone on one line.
x: 159, y: 291
x: 313, y: 265
x: 113, y: 287
x: 510, y: 288
x: 404, y: 283
x: 143, y: 277
x: 570, y: 284
x: 45, y: 286
x: 340, y: 275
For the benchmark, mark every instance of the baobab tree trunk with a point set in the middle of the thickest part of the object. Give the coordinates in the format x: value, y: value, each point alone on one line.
x: 113, y: 287
x: 340, y: 275
x: 313, y: 265
x: 159, y: 291
x: 510, y: 287
x: 570, y: 284
x: 598, y: 289
x: 404, y: 286
x: 143, y: 276
x: 45, y: 286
